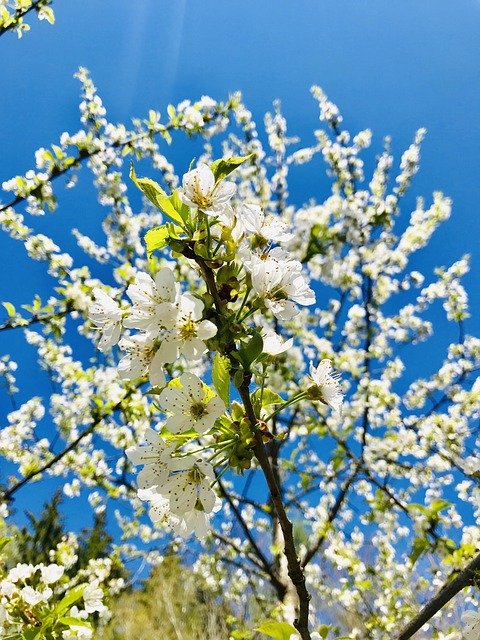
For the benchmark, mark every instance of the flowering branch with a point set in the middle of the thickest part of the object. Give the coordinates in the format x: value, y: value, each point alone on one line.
x: 15, y: 22
x: 465, y: 578
x: 294, y: 568
x: 8, y: 493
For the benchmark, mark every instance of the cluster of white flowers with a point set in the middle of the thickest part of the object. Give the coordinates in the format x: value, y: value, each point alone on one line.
x: 396, y: 440
x: 26, y: 589
x: 13, y: 12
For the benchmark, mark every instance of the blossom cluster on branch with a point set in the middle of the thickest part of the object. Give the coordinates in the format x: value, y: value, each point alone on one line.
x: 222, y: 309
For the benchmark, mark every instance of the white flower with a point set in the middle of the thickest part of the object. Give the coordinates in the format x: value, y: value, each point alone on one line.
x: 159, y: 511
x: 189, y: 407
x: 273, y: 344
x: 92, y: 598
x: 21, y: 572
x: 472, y: 621
x: 267, y: 229
x: 195, y: 521
x: 7, y: 588
x: 190, y: 489
x: 327, y: 384
x: 141, y: 357
x: 190, y: 332
x: 200, y: 191
x: 153, y: 302
x: 279, y: 281
x: 155, y: 456
x: 33, y: 597
x: 106, y: 314
x: 192, y: 118
x: 52, y: 573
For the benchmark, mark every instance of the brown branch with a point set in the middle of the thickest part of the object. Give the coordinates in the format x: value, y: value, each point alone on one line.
x: 267, y: 566
x: 56, y: 172
x: 10, y: 324
x: 239, y: 551
x: 465, y: 578
x: 8, y: 493
x: 295, y: 571
x: 331, y: 517
x: 38, y: 4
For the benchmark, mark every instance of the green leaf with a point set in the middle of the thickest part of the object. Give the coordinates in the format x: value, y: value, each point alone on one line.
x: 156, y: 238
x: 420, y: 546
x: 31, y: 634
x: 250, y: 352
x: 324, y: 629
x: 173, y: 207
x: 224, y: 167
x: 75, y: 622
x: 278, y: 630
x: 270, y: 397
x: 70, y: 598
x: 439, y: 505
x: 10, y: 309
x: 147, y: 186
x: 221, y: 377
x: 4, y: 540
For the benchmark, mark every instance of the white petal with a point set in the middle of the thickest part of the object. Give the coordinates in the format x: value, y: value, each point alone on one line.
x: 224, y: 192
x: 206, y: 330
x: 192, y: 387
x: 173, y: 400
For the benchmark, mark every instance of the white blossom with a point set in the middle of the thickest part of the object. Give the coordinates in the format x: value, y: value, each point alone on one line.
x: 189, y: 333
x: 280, y: 282
x: 189, y: 406
x: 156, y: 458
x: 141, y: 357
x: 92, y: 598
x: 107, y: 315
x: 265, y: 228
x: 471, y: 620
x: 200, y: 191
x: 327, y: 383
x: 153, y: 302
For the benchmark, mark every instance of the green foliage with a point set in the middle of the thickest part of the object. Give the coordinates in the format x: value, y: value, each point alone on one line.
x: 70, y: 599
x: 221, y: 377
x: 224, y: 166
x: 44, y: 533
x: 173, y: 603
x: 32, y: 543
x: 277, y: 630
x: 252, y: 350
x: 171, y: 206
x: 155, y: 239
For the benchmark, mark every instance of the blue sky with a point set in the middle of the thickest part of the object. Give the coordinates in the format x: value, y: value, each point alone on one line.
x: 391, y: 65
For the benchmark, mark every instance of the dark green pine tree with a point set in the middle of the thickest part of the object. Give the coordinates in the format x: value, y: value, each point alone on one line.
x: 96, y: 542
x: 44, y: 533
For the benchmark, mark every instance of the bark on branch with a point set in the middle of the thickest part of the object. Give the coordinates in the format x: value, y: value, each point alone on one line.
x: 464, y: 579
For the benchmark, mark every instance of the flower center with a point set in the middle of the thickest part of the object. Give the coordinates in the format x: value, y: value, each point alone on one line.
x: 195, y: 475
x: 197, y: 410
x: 188, y: 330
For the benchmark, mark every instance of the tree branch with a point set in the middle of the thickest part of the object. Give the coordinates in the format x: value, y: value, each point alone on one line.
x: 8, y: 493
x: 465, y: 578
x: 267, y: 567
x: 37, y: 4
x: 331, y: 517
x: 295, y: 570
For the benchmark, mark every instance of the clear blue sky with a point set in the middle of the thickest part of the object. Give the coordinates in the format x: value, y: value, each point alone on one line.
x: 391, y: 65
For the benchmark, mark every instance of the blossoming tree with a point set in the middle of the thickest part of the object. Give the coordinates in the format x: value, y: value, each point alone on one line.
x: 246, y: 397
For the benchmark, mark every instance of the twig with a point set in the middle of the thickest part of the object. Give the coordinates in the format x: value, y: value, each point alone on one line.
x: 464, y: 579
